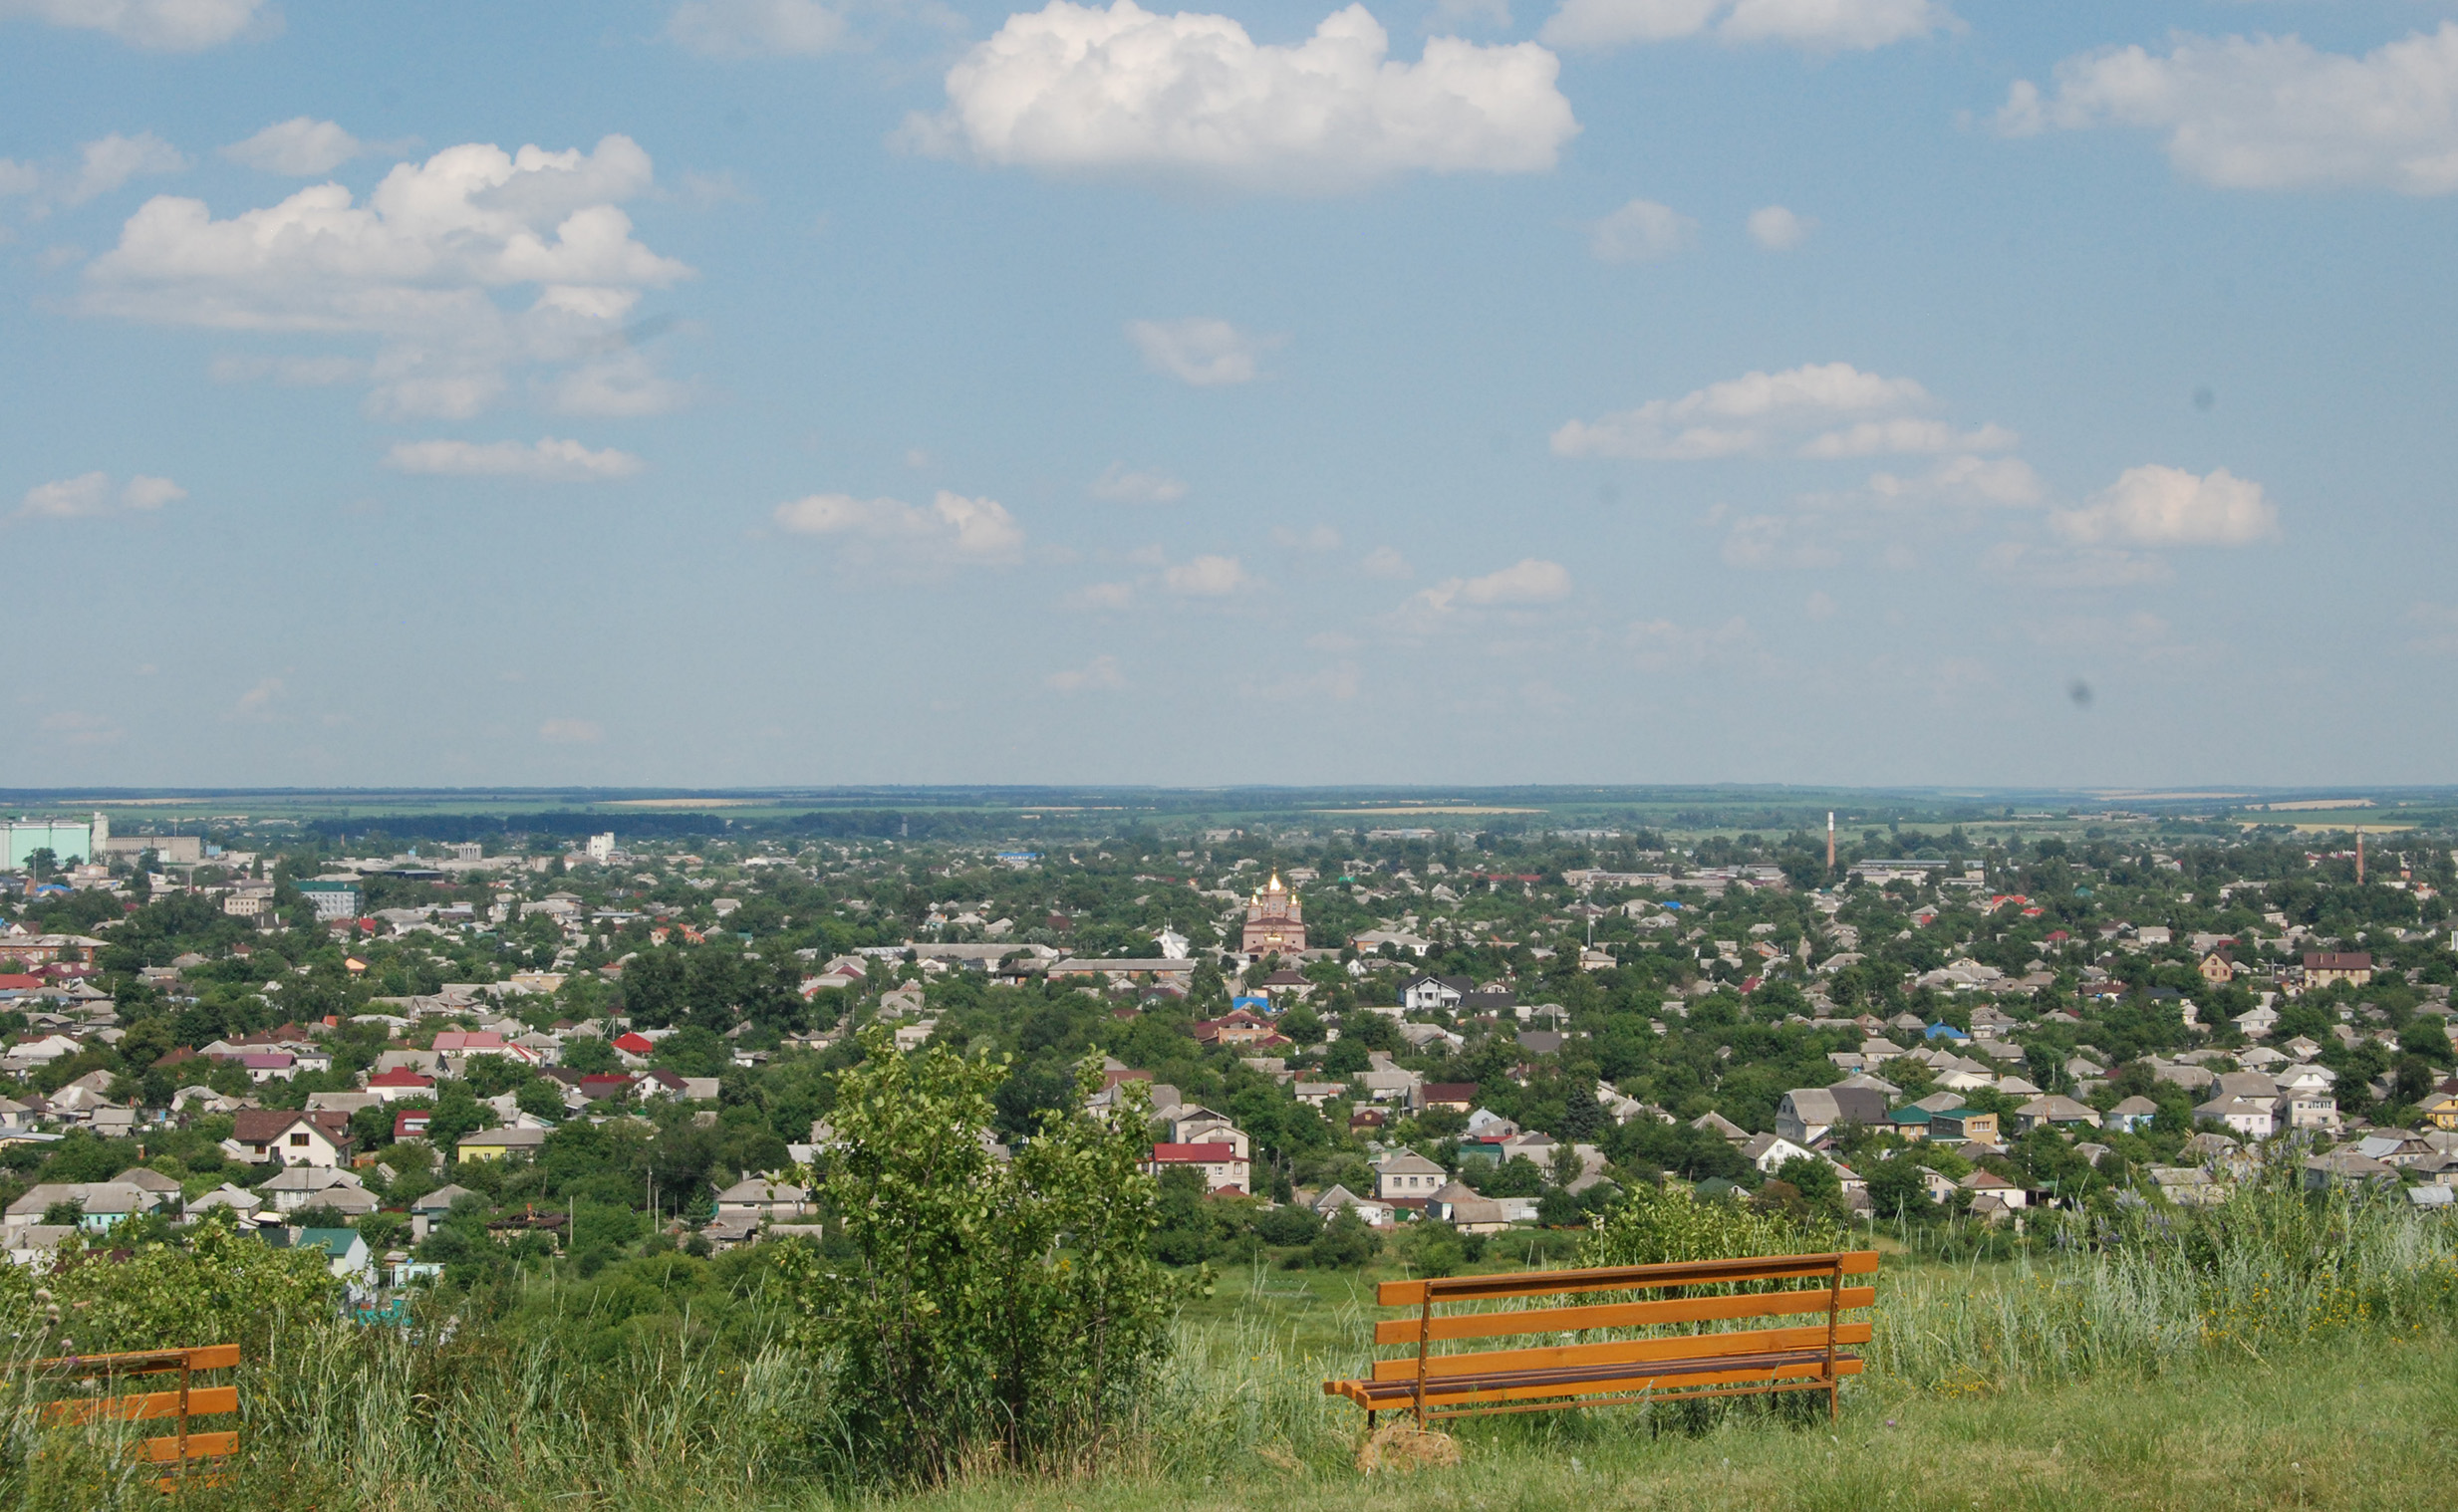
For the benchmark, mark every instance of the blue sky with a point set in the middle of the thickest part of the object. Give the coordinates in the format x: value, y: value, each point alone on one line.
x: 751, y: 392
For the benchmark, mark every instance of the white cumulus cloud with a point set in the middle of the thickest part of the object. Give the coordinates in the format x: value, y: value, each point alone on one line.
x: 1201, y: 350
x: 2168, y: 506
x: 95, y: 493
x: 1906, y: 434
x: 571, y: 732
x: 1121, y: 484
x: 177, y: 26
x: 1207, y: 577
x: 300, y: 148
x: 1099, y: 673
x: 1641, y: 231
x: 752, y: 27
x: 1779, y: 229
x: 1524, y: 584
x: 1386, y: 562
x: 1739, y: 415
x: 2270, y: 113
x: 418, y: 267
x: 1816, y: 25
x: 949, y: 526
x: 105, y: 164
x: 1074, y: 87
x: 548, y: 460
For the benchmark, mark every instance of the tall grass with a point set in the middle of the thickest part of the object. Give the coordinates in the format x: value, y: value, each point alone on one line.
x: 466, y: 1412
x: 2273, y: 1269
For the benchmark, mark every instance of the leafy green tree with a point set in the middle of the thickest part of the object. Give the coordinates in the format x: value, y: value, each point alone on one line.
x: 540, y: 1098
x: 1896, y: 1188
x: 1346, y: 1243
x: 590, y: 1056
x: 973, y: 1302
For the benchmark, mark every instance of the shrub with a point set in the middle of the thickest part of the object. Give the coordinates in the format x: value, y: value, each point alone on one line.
x: 1655, y: 1224
x: 1287, y: 1226
x: 982, y: 1302
x: 1345, y: 1245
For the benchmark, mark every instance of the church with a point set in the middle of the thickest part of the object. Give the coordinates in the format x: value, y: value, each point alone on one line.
x: 1275, y: 920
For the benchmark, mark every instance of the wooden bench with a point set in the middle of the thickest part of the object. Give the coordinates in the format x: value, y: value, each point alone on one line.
x: 191, y: 1455
x: 1659, y: 1366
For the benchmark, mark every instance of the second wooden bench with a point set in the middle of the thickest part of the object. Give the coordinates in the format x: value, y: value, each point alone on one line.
x: 1699, y: 1363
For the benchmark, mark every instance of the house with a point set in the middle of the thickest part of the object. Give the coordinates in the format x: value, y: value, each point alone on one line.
x: 2440, y: 1106
x: 2189, y: 1185
x: 1447, y: 1096
x: 299, y: 1186
x: 2217, y: 969
x: 2132, y: 1116
x: 439, y: 1202
x: 763, y: 1199
x: 2328, y: 968
x: 1768, y: 1153
x: 258, y: 1134
x: 1407, y: 1177
x: 350, y: 1259
x: 1170, y: 973
x: 400, y: 1082
x: 1459, y: 1206
x: 1808, y: 1113
x: 501, y: 1144
x: 1987, y: 1184
x: 2057, y: 1111
x: 2307, y: 1110
x: 1372, y: 1214
x: 2346, y: 1166
x: 1424, y: 994
x: 1192, y: 1124
x: 1721, y: 1127
x: 2254, y: 1118
x: 1220, y: 1165
x: 635, y: 1047
x: 411, y: 1123
x: 1910, y: 1124
x: 1240, y: 1026
x: 242, y: 1202
x: 1957, y: 1125
x: 101, y: 1206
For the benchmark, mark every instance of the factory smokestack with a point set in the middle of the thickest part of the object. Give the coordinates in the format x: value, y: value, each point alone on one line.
x: 1830, y: 841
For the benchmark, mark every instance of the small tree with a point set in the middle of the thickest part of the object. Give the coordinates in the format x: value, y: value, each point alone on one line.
x: 977, y: 1299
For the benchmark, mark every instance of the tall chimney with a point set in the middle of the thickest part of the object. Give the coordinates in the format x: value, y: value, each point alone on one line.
x: 2359, y: 856
x: 1830, y: 841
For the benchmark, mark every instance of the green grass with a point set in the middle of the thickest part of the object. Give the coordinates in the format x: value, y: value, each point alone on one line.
x: 2279, y: 1351
x: 2357, y: 1425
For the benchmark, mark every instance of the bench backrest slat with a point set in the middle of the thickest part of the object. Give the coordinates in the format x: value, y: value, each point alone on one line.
x: 1616, y: 1352
x: 1624, y: 1315
x: 1626, y: 1278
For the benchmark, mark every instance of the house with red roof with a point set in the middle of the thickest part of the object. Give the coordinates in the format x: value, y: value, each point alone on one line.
x: 400, y: 1082
x: 1220, y: 1165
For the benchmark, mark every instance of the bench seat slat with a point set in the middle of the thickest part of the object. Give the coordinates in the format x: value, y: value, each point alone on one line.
x: 1530, y: 1385
x: 202, y: 1402
x: 165, y: 1450
x: 1622, y: 1351
x: 1625, y: 1278
x: 1562, y: 1319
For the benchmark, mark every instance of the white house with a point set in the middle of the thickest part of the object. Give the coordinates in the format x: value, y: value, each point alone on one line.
x: 1407, y: 1175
